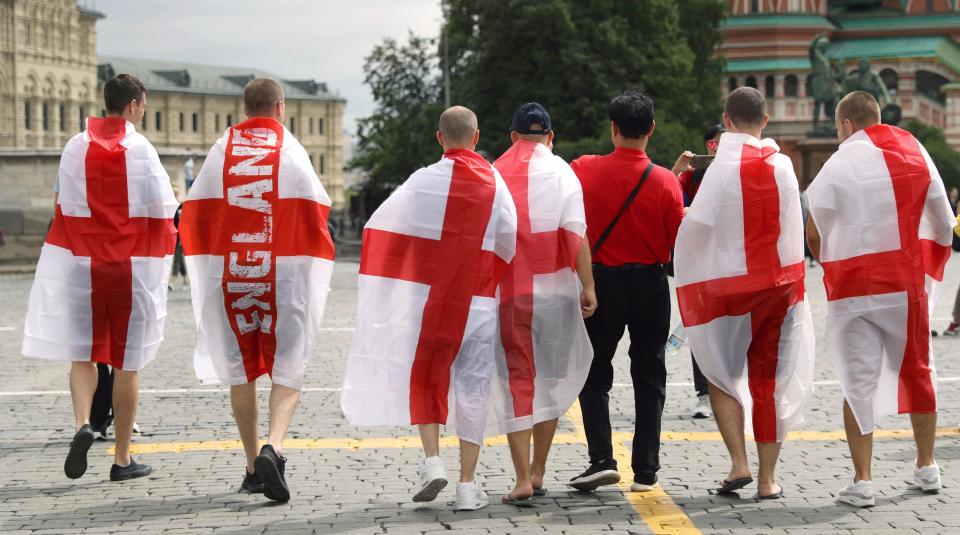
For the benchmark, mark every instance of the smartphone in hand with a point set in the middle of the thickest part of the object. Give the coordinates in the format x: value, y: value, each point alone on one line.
x: 701, y: 161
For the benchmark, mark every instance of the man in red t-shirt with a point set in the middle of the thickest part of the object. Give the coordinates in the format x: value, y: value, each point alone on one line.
x: 632, y: 230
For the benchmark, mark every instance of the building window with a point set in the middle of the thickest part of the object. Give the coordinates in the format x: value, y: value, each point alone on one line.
x: 83, y: 118
x: 930, y: 8
x: 103, y: 112
x: 216, y: 122
x: 790, y: 85
x: 159, y: 125
x: 751, y: 81
x: 322, y: 165
x: 311, y: 126
x: 63, y: 118
x: 229, y: 120
x: 320, y: 126
x: 754, y: 6
x: 196, y: 122
x: 45, y: 114
x: 293, y: 125
x: 45, y: 37
x: 28, y: 33
x: 732, y: 83
x: 183, y: 122
x: 26, y: 115
x: 890, y: 79
x: 769, y: 85
x: 143, y: 123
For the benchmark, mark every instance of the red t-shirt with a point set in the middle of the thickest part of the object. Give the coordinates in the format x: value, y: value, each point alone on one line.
x: 648, y: 228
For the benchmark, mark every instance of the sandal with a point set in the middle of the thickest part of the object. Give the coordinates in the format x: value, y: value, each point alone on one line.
x: 519, y: 502
x: 727, y: 487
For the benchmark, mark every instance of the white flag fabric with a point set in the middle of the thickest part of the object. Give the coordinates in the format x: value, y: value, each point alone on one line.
x: 543, y: 352
x: 885, y: 223
x: 100, y: 291
x: 433, y: 254
x: 740, y: 284
x: 259, y: 256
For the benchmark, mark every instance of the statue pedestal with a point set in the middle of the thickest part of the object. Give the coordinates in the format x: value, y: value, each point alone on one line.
x: 814, y: 151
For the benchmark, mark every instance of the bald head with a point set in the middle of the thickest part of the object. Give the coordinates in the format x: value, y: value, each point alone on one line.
x: 458, y: 128
x: 262, y: 97
x: 861, y: 109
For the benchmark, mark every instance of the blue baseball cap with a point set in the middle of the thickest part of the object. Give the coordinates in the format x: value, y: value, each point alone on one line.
x: 530, y: 114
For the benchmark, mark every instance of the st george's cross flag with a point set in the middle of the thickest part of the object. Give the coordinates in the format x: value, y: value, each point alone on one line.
x: 543, y: 354
x: 885, y: 224
x: 740, y: 284
x: 100, y: 292
x: 433, y: 254
x: 259, y: 256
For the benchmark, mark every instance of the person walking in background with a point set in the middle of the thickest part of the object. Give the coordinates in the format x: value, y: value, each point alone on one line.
x: 179, y: 270
x: 633, y: 211
x: 954, y: 328
x: 690, y: 179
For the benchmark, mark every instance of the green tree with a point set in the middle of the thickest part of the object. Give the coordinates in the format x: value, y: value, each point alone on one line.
x: 574, y: 55
x: 399, y: 137
x: 945, y: 157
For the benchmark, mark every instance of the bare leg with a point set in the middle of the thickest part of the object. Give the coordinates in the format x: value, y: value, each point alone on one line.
x: 729, y: 415
x: 126, y: 392
x: 924, y: 433
x: 769, y: 452
x: 543, y: 433
x: 861, y: 446
x: 243, y: 400
x: 520, y: 453
x: 430, y: 438
x: 283, y: 402
x: 83, y: 383
x: 469, y: 455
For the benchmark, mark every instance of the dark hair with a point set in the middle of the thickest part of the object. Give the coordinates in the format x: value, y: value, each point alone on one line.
x: 745, y: 106
x: 632, y: 112
x: 713, y: 132
x: 120, y: 90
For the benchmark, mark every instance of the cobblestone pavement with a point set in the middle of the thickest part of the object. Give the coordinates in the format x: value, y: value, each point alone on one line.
x: 364, y: 486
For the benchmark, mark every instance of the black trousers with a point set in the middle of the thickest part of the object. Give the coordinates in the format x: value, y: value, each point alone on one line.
x: 638, y: 299
x: 700, y: 383
x: 101, y: 412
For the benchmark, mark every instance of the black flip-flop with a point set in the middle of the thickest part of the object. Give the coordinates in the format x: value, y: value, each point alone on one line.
x: 540, y: 492
x: 775, y: 496
x: 510, y: 500
x: 732, y: 486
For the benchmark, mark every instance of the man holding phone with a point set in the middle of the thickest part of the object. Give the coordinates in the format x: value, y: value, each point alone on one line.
x: 690, y: 169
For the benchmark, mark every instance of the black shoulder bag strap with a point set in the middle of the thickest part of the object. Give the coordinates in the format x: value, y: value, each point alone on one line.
x: 626, y: 204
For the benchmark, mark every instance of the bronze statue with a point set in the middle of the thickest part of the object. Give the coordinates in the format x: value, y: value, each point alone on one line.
x: 866, y: 80
x: 822, y: 81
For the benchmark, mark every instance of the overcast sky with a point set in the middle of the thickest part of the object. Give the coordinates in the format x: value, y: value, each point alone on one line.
x: 321, y: 39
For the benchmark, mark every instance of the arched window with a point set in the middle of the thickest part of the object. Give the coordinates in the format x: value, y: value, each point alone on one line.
x: 754, y: 6
x: 890, y: 79
x: 928, y: 84
x: 769, y: 84
x: 732, y: 83
x: 752, y: 81
x: 790, y: 85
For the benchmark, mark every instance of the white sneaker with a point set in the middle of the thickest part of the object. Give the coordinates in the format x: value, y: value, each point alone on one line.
x: 470, y: 496
x: 702, y: 409
x: 640, y: 487
x: 857, y: 494
x: 928, y: 478
x: 433, y: 478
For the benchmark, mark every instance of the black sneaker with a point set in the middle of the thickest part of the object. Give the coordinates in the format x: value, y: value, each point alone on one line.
x: 131, y: 471
x: 599, y: 474
x: 269, y: 467
x: 252, y: 483
x: 76, y: 463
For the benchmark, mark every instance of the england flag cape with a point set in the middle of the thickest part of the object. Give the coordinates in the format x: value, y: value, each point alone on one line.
x: 432, y: 257
x: 100, y: 292
x: 259, y: 256
x: 885, y: 224
x: 543, y: 354
x: 740, y: 284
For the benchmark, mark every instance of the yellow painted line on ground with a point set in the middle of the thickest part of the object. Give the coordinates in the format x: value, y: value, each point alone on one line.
x: 568, y: 438
x: 655, y: 507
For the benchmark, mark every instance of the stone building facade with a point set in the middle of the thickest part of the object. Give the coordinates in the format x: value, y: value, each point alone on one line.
x: 913, y: 44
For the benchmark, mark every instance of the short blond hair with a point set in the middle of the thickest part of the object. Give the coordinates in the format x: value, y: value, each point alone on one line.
x: 458, y: 125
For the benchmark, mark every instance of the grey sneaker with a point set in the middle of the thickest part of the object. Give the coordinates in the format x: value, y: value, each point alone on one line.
x: 928, y: 477
x: 857, y: 494
x: 702, y: 409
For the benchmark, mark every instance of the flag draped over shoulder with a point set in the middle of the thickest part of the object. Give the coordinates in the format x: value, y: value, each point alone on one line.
x: 740, y: 284
x: 544, y: 354
x: 100, y: 291
x: 885, y: 224
x: 432, y: 257
x: 259, y: 256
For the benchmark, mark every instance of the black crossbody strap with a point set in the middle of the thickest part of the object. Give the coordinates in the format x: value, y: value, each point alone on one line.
x: 626, y: 204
